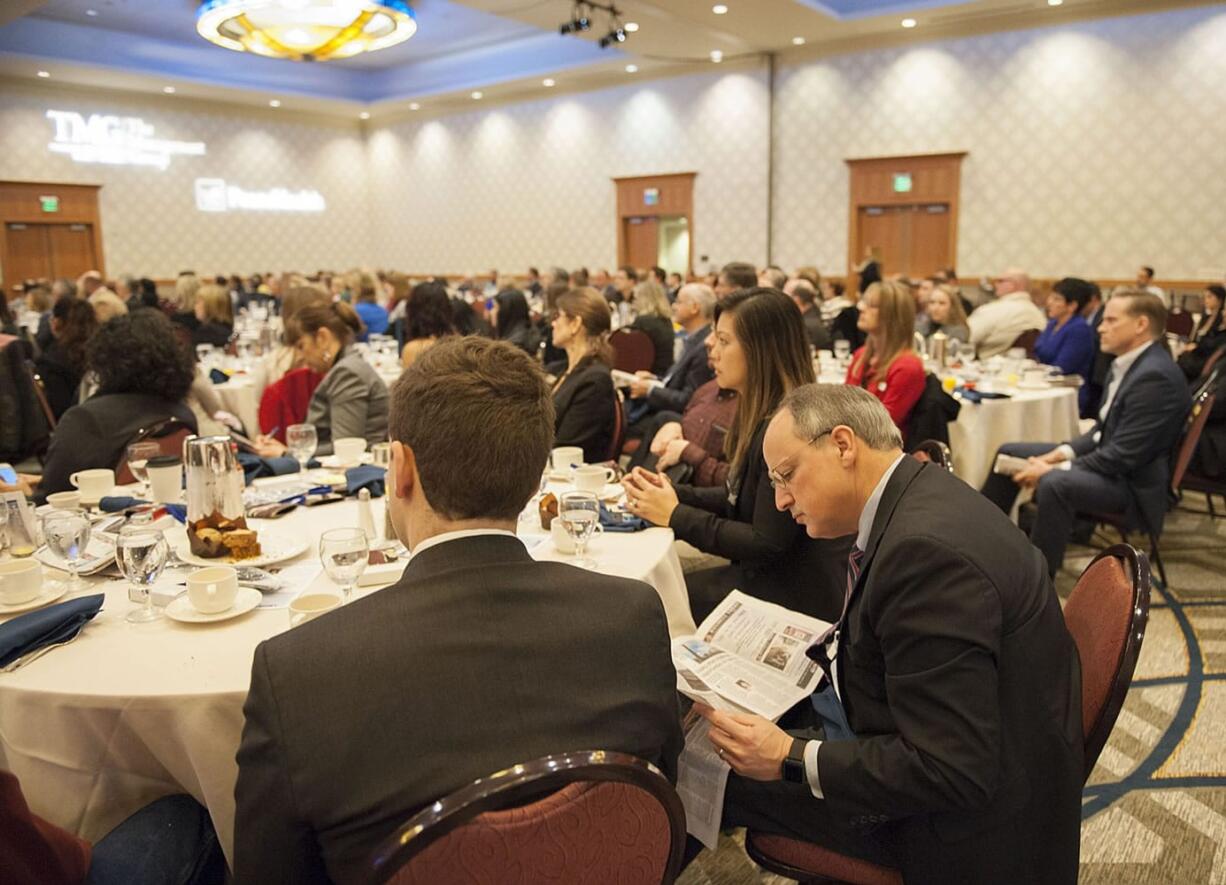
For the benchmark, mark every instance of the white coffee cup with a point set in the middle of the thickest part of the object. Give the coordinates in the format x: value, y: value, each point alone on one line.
x: 1035, y: 376
x: 94, y: 484
x: 65, y: 500
x: 564, y: 456
x: 165, y: 479
x: 349, y: 449
x: 592, y: 478
x: 20, y: 580
x: 310, y: 606
x: 561, y: 538
x: 213, y: 589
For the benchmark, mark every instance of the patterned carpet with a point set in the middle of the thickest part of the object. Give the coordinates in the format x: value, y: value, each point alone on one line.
x: 1154, y: 810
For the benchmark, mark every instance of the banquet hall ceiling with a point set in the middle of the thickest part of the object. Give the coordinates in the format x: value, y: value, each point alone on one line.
x: 505, y: 48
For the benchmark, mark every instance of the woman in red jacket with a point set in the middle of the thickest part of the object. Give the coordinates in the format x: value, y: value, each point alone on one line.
x: 886, y: 366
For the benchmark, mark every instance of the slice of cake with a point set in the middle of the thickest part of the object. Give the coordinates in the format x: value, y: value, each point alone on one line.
x: 241, y: 543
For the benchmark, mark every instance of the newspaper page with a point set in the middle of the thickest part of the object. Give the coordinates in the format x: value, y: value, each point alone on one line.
x: 701, y: 779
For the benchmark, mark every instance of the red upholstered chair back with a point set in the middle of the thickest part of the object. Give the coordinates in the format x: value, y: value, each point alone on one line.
x: 1106, y: 615
x: 286, y: 401
x: 610, y: 818
x: 1212, y: 362
x: 1026, y: 341
x: 169, y: 435
x: 619, y: 428
x: 633, y: 350
x: 1179, y: 324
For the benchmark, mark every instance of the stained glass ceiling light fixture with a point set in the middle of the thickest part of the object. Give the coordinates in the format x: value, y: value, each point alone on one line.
x: 306, y: 30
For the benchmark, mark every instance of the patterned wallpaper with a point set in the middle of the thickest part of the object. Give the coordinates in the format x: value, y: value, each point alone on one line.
x: 530, y: 183
x: 1094, y: 148
x: 150, y: 223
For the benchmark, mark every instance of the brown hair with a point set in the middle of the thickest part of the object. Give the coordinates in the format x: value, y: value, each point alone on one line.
x: 337, y: 317
x: 590, y: 307
x: 957, y: 313
x: 216, y: 301
x: 895, y: 326
x: 469, y: 401
x: 772, y: 334
x: 299, y: 297
x: 1145, y: 304
x: 811, y: 274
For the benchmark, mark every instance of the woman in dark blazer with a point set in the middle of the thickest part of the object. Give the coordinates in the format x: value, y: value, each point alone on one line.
x: 62, y: 364
x: 760, y: 351
x: 512, y: 322
x: 584, y: 400
x: 1208, y: 336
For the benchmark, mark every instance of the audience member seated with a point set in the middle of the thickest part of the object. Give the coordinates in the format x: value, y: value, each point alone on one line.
x: 804, y: 296
x: 187, y: 285
x: 107, y: 305
x: 1145, y: 282
x: 692, y: 311
x: 429, y: 316
x: 946, y: 314
x: 834, y: 301
x: 62, y: 364
x: 1208, y: 336
x: 284, y: 356
x: 584, y: 400
x: 351, y: 400
x: 760, y: 351
x: 1122, y: 464
x: 734, y: 276
x: 773, y: 277
x: 8, y: 322
x: 143, y: 376
x: 654, y: 316
x: 214, y: 316
x: 1068, y: 341
x: 367, y: 307
x: 950, y: 743
x: 455, y: 678
x: 690, y: 447
x: 997, y: 324
x: 886, y: 366
x: 620, y: 289
x: 60, y: 289
x: 512, y: 322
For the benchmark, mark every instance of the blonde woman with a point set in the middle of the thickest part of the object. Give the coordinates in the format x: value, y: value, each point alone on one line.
x: 655, y: 317
x: 184, y: 302
x: 886, y: 366
x: 214, y: 316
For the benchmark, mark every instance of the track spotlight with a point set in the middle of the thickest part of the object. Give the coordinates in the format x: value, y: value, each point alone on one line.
x: 581, y: 20
x: 617, y: 35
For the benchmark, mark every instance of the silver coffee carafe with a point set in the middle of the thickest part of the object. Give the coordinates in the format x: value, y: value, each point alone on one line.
x: 214, y: 478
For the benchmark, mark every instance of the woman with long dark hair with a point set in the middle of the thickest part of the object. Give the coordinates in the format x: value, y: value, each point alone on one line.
x: 512, y: 322
x: 760, y: 350
x: 1208, y: 336
x: 428, y: 317
x: 62, y: 365
x: 584, y: 400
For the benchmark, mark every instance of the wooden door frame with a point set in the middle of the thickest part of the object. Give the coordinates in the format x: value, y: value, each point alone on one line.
x: 936, y: 178
x: 676, y: 200
x: 78, y: 205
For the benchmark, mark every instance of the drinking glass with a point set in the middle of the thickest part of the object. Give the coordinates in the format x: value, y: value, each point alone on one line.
x: 139, y: 454
x: 580, y: 513
x: 842, y: 349
x: 344, y: 553
x: 301, y: 442
x: 141, y: 552
x: 67, y: 535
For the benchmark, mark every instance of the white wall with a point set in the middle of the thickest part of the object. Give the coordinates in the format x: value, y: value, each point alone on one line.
x: 150, y: 223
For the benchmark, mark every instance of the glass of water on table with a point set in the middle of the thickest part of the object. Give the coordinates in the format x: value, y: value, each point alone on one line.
x: 580, y: 513
x: 301, y: 440
x: 344, y: 554
x: 138, y: 455
x: 67, y: 534
x: 141, y: 553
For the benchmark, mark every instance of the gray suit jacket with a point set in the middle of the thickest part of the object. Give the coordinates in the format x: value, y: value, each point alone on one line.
x: 351, y: 400
x: 477, y: 659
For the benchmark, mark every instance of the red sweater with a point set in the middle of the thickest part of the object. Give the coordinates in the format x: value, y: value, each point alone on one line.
x: 899, y: 391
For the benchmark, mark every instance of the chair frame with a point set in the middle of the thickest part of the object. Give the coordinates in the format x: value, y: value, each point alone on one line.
x: 162, y: 429
x: 41, y: 393
x: 529, y: 782
x: 779, y: 868
x: 938, y: 453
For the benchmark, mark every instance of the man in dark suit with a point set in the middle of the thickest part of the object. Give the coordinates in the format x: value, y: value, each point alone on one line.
x: 950, y: 743
x: 1093, y: 313
x: 805, y: 297
x: 477, y: 659
x: 1122, y: 465
x: 692, y: 310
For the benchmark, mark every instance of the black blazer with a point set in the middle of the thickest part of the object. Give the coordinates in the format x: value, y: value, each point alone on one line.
x: 478, y: 658
x: 690, y: 372
x: 216, y: 334
x: 1143, y: 425
x: 61, y: 378
x: 660, y: 331
x: 963, y: 687
x: 815, y: 329
x: 773, y: 556
x: 585, y: 404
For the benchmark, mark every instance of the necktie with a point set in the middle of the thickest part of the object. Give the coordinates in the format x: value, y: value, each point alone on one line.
x: 827, y: 646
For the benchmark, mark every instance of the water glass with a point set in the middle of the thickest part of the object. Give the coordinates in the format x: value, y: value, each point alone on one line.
x: 67, y: 535
x: 344, y: 554
x: 138, y: 456
x: 141, y: 552
x: 842, y: 349
x: 580, y: 513
x: 301, y: 440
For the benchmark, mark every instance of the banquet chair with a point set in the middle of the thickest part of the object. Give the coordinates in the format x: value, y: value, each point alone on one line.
x: 633, y: 350
x: 592, y: 816
x: 1179, y: 324
x: 287, y: 400
x: 1026, y: 341
x: 936, y: 452
x: 168, y: 434
x: 619, y: 428
x: 1211, y: 363
x: 40, y: 392
x: 1106, y: 614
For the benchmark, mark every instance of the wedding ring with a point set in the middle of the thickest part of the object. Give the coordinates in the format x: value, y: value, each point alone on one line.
x: 720, y: 752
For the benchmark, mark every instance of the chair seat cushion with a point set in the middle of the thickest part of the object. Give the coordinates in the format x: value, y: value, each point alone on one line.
x: 818, y: 861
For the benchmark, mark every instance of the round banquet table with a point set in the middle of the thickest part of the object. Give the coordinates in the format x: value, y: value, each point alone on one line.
x: 127, y: 713
x: 1048, y: 415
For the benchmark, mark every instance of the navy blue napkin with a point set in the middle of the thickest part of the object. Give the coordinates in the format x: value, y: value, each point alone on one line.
x: 116, y: 503
x: 57, y: 623
x: 255, y: 467
x: 975, y: 396
x: 217, y: 376
x: 621, y: 522
x: 367, y: 476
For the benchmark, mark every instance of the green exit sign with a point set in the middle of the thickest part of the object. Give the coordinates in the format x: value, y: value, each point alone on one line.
x: 902, y: 182
x: 50, y: 204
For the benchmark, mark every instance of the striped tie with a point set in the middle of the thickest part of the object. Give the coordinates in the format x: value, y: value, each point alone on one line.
x: 818, y: 650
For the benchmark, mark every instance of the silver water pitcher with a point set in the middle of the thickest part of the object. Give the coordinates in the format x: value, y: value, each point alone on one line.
x: 214, y: 478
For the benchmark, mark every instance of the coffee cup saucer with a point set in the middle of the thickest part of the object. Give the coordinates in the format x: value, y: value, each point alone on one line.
x: 180, y: 608
x: 49, y: 592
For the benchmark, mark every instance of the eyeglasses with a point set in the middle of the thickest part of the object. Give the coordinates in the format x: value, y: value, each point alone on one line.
x: 779, y: 481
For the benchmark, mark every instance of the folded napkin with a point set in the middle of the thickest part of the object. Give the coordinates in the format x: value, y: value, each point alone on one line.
x: 119, y: 503
x: 255, y: 467
x: 367, y: 476
x: 48, y: 626
x: 621, y: 522
x: 975, y: 396
x: 217, y: 376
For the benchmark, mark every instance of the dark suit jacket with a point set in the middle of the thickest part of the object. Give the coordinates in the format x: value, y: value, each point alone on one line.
x: 815, y: 329
x: 773, y: 557
x: 1143, y: 425
x: 477, y: 659
x: 689, y: 373
x: 963, y: 688
x: 585, y: 405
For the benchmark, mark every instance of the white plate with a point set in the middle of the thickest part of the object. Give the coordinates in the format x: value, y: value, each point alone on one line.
x: 333, y: 462
x: 1033, y: 385
x: 48, y: 593
x: 181, y: 609
x: 274, y: 547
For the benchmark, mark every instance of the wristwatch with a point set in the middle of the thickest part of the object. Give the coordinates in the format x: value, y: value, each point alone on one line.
x: 794, y: 763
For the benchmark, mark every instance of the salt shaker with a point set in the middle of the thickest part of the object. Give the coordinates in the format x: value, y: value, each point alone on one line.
x: 366, y: 518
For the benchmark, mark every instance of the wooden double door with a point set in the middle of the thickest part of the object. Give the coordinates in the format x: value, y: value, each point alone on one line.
x: 914, y: 240
x: 48, y: 251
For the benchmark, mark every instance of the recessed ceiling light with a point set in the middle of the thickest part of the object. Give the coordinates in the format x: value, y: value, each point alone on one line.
x: 414, y: 106
x: 909, y: 23
x: 548, y: 81
x: 717, y: 56
x: 169, y: 90
x: 630, y: 27
x: 1055, y: 2
x: 364, y: 115
x: 719, y: 9
x: 632, y: 69
x: 477, y: 96
x: 274, y: 103
x: 91, y: 12
x: 798, y: 41
x: 44, y: 74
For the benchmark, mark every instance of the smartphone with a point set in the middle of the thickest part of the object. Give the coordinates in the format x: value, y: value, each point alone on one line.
x: 8, y: 474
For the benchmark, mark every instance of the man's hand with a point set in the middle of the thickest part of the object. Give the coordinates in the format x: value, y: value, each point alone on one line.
x: 1029, y: 478
x: 672, y: 454
x: 641, y: 387
x: 1055, y: 456
x: 665, y: 435
x: 753, y: 746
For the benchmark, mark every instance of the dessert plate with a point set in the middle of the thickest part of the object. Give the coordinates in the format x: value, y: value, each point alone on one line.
x: 181, y: 608
x: 274, y: 547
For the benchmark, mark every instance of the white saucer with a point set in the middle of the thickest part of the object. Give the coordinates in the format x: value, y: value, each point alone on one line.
x: 48, y: 593
x: 181, y: 608
x: 1033, y: 385
x: 333, y: 462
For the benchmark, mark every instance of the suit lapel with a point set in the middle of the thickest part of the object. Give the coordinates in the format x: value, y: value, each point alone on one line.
x: 1128, y: 378
x: 904, y: 474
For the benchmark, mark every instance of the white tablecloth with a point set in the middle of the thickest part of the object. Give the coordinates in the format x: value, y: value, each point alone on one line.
x: 1027, y: 416
x: 129, y: 713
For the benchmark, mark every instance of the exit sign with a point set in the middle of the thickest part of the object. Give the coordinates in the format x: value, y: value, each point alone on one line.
x: 651, y: 196
x: 49, y: 203
x: 902, y: 182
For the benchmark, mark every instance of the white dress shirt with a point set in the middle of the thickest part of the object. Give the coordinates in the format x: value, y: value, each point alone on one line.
x: 435, y: 540
x: 1119, y: 368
